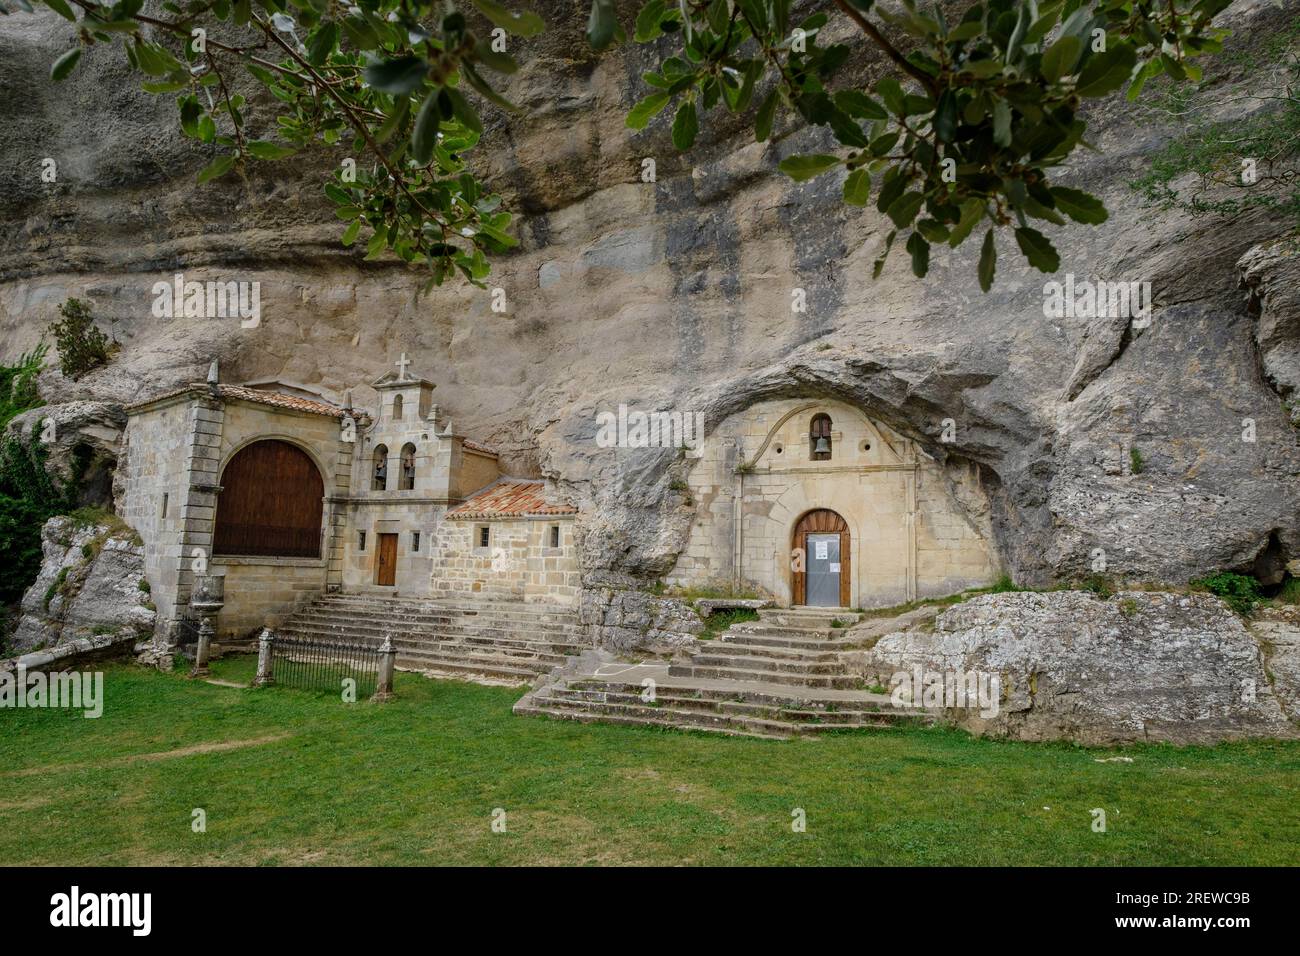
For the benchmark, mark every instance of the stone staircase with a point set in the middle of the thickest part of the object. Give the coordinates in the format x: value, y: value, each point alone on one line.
x: 781, y: 676
x: 490, y: 642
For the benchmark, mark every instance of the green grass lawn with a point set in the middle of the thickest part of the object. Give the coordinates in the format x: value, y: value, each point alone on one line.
x: 289, y: 777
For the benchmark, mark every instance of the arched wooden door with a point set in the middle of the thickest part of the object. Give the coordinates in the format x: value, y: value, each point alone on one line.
x: 271, y: 501
x: 823, y: 538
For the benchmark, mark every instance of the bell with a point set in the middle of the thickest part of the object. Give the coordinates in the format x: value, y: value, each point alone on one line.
x: 823, y: 447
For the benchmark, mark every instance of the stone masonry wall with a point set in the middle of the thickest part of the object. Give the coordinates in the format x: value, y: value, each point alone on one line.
x: 517, y: 565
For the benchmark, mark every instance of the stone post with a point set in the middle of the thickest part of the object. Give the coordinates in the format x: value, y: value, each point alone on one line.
x: 387, y: 663
x: 264, y: 675
x: 200, y: 668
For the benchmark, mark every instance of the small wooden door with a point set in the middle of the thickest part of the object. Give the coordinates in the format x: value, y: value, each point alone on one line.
x: 386, y: 562
x: 823, y: 539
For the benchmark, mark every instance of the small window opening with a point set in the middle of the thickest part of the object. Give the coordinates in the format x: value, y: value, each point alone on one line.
x: 415, y: 541
x: 361, y: 541
x: 555, y: 536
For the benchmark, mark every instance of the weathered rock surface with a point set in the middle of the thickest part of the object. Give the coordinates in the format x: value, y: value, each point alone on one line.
x: 676, y: 294
x: 1140, y: 666
x: 89, y: 586
x: 82, y: 441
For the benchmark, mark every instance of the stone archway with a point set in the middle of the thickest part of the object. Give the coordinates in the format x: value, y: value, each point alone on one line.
x: 271, y: 502
x: 822, y: 537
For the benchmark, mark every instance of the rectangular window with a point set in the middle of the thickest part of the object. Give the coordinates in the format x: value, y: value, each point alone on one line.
x: 164, y: 505
x: 361, y: 541
x: 415, y: 541
x: 555, y: 536
x: 484, y: 536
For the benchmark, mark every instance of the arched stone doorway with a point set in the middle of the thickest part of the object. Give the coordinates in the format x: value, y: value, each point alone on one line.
x: 822, y: 536
x: 271, y: 502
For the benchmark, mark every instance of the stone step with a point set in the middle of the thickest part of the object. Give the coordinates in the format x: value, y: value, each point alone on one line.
x: 378, y: 616
x: 783, y: 630
x: 691, y: 670
x: 502, y: 610
x: 665, y: 714
x: 736, y: 647
x: 530, y: 649
x: 784, y: 639
x: 786, y: 711
x: 777, y: 695
x: 803, y: 618
x: 770, y: 664
x: 460, y: 665
x: 382, y: 627
x: 664, y: 721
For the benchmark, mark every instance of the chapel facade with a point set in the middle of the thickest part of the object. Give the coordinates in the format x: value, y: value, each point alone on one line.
x: 812, y: 503
x: 285, y: 496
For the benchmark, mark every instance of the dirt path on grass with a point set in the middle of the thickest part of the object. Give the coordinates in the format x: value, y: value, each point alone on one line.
x: 209, y: 748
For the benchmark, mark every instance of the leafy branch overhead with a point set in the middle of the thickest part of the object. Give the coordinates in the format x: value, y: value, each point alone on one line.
x: 961, y: 134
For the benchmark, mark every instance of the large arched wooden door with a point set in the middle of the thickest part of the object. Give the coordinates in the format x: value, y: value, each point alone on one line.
x: 823, y: 539
x: 271, y: 501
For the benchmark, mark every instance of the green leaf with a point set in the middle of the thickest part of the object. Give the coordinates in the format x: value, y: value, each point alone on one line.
x: 857, y: 187
x: 879, y: 265
x: 322, y: 43
x: 859, y: 105
x: 399, y: 76
x: 891, y: 93
x: 425, y: 135
x: 523, y: 23
x: 972, y: 211
x: 685, y: 125
x: 1106, y: 72
x: 264, y: 149
x: 920, y: 252
x: 350, y: 233
x: 1001, y: 122
x: 485, y: 90
x: 1038, y: 249
x: 65, y: 64
x: 395, y: 119
x: 602, y: 24
x: 643, y: 112
x: 462, y: 110
x: 904, y: 209
x: 62, y: 9
x: 1079, y: 206
x: 763, y: 120
x: 988, y: 261
x: 218, y: 167
x: 1061, y: 57
x: 803, y: 168
x: 647, y: 21
x: 501, y: 62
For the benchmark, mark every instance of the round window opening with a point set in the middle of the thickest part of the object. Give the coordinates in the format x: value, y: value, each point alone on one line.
x: 778, y: 448
x: 865, y: 446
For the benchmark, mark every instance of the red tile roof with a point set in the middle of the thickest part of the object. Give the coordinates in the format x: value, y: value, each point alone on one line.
x: 510, y: 498
x: 244, y: 393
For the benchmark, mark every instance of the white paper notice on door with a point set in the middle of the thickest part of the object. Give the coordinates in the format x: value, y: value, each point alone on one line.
x: 835, y: 567
x: 820, y: 550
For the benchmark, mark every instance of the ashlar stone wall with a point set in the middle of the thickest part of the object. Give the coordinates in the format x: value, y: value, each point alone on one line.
x: 518, y: 563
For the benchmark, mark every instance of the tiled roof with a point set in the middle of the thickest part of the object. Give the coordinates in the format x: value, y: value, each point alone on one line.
x: 243, y: 393
x: 510, y: 498
x: 475, y: 446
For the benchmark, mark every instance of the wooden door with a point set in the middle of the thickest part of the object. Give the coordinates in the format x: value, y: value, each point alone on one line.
x: 820, y: 523
x: 386, y: 562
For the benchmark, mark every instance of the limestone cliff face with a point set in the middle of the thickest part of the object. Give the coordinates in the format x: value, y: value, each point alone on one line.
x: 676, y: 294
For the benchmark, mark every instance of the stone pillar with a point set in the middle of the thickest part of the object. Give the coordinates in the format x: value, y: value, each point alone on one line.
x: 264, y: 674
x: 387, y: 664
x: 204, y: 649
